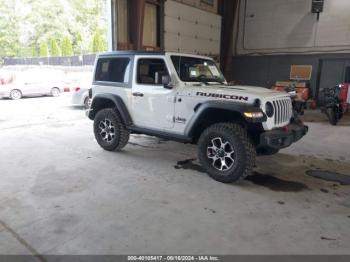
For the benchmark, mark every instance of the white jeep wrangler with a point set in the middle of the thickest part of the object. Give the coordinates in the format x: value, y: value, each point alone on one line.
x: 185, y: 98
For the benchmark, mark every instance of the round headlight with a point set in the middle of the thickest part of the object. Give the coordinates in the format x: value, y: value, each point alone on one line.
x: 269, y: 109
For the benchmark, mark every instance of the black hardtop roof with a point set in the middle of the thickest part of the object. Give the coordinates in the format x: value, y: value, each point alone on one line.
x: 132, y: 52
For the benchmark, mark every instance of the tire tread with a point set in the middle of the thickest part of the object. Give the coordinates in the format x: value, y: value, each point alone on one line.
x: 122, y: 132
x: 243, y: 137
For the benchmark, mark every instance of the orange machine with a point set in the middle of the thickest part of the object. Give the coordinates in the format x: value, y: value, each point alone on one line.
x: 303, y: 92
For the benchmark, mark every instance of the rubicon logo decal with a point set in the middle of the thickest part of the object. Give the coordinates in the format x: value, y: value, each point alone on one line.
x: 230, y: 97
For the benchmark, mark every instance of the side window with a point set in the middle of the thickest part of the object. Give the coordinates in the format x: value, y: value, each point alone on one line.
x: 150, y: 71
x: 113, y: 70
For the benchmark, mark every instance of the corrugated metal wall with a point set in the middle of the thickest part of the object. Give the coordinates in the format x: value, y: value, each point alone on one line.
x: 285, y: 26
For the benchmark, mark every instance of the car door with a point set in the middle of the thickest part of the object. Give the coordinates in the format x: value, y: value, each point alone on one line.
x: 152, y: 104
x: 32, y: 82
x: 23, y: 82
x: 35, y: 87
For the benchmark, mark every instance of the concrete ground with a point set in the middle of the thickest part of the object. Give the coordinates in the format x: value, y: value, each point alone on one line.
x: 60, y: 193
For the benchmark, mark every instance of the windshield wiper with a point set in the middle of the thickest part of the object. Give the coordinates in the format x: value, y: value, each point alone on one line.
x: 220, y: 82
x: 204, y: 82
x: 214, y: 80
x: 207, y: 80
x: 202, y: 79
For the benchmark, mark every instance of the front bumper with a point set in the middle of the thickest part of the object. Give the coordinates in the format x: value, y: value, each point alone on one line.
x: 283, y: 137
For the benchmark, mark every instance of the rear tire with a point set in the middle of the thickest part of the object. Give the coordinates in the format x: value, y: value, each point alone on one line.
x: 226, y: 152
x: 15, y: 94
x: 110, y: 133
x: 55, y: 92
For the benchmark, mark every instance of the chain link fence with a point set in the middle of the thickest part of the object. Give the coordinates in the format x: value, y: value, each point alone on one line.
x: 82, y: 60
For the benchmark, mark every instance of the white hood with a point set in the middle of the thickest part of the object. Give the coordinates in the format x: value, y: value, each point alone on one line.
x: 252, y: 92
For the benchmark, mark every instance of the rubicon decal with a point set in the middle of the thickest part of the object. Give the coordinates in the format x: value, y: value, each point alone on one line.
x: 230, y: 97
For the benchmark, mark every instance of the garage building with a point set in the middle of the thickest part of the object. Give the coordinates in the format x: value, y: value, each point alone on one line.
x: 257, y: 42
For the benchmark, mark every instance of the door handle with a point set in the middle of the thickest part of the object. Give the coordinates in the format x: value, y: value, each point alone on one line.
x: 137, y: 94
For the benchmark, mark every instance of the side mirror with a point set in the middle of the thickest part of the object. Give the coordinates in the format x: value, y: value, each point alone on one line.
x: 165, y: 80
x: 162, y: 78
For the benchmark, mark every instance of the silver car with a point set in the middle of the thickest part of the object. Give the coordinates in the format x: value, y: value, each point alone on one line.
x: 80, y: 97
x: 34, y: 82
x: 80, y: 94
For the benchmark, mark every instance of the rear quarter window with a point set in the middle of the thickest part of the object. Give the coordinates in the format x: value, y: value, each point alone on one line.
x: 115, y: 70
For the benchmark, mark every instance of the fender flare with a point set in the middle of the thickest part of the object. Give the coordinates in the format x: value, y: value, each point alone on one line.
x: 118, y: 103
x: 237, y: 108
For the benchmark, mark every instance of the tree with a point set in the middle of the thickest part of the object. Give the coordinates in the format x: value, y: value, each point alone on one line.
x: 78, y: 44
x: 44, y: 50
x: 25, y: 23
x: 34, y: 51
x: 9, y: 30
x: 27, y: 51
x: 67, y: 48
x: 98, y: 42
x: 55, y: 49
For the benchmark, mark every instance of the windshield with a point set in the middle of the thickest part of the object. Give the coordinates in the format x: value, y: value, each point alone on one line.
x: 192, y: 69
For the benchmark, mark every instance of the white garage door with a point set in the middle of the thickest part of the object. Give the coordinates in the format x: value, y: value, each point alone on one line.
x: 191, y: 30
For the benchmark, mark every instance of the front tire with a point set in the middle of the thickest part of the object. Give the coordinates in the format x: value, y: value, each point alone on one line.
x: 226, y: 152
x: 15, y: 94
x: 110, y: 132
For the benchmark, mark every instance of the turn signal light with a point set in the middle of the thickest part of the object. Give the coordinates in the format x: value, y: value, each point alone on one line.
x: 253, y: 114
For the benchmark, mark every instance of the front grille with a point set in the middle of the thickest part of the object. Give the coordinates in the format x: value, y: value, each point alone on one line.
x: 283, y: 110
